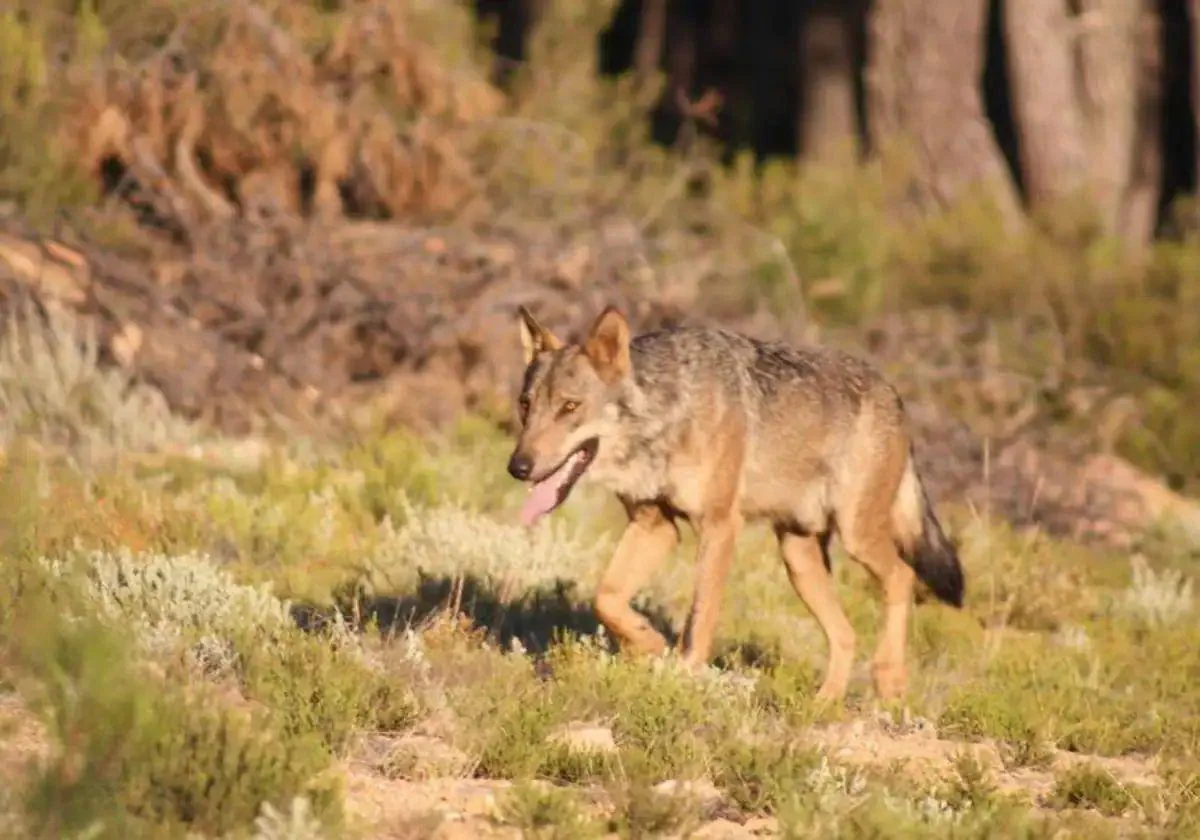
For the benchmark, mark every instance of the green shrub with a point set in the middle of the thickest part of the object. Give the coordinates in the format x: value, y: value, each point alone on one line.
x: 37, y: 170
x: 546, y: 813
x: 315, y: 683
x: 1091, y: 787
x: 134, y: 754
x: 185, y: 597
x: 54, y: 388
x: 320, y: 688
x: 760, y: 777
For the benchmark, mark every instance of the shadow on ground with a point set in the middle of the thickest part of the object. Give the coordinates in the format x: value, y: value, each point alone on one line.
x: 536, y: 619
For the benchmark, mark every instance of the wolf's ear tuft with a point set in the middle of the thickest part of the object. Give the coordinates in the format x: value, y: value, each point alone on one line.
x: 534, y: 337
x: 607, y: 345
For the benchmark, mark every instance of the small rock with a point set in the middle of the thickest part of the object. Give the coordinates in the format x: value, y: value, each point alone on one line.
x: 502, y: 253
x: 704, y: 792
x: 720, y: 830
x: 762, y: 826
x: 571, y: 268
x: 418, y: 757
x: 585, y: 737
x: 1142, y: 498
x: 478, y: 798
x: 126, y: 343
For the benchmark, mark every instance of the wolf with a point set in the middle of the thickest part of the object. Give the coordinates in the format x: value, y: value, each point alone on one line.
x: 704, y: 426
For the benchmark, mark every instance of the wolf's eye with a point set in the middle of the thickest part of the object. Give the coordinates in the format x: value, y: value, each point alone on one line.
x: 523, y: 405
x: 569, y: 406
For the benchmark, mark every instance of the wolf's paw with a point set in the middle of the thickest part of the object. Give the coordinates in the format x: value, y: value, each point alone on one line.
x: 891, y: 681
x: 831, y: 693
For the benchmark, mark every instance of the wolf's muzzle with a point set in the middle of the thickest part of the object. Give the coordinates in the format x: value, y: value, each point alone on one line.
x: 520, y: 466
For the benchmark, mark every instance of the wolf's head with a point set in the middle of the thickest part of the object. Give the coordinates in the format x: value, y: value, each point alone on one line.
x: 567, y: 406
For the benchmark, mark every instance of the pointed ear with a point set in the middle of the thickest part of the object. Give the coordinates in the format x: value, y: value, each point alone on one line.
x: 607, y: 345
x: 534, y: 337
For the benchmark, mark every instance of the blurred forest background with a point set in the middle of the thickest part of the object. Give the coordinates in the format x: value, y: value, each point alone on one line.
x: 298, y: 208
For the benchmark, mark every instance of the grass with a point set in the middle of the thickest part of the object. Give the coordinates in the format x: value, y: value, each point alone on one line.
x: 1096, y: 658
x: 136, y: 751
x: 1088, y: 787
x: 182, y: 616
x: 548, y: 812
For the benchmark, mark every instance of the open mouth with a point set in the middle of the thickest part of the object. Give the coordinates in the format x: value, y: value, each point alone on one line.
x: 549, y: 492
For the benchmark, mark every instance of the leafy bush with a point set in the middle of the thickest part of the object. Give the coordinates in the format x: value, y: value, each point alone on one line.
x: 134, y: 753
x: 318, y: 687
x: 1091, y: 787
x: 54, y: 388
x: 36, y: 170
x: 452, y: 540
x: 185, y: 596
x: 1158, y: 598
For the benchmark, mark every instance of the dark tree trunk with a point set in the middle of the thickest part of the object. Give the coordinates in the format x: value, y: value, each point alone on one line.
x: 1110, y: 55
x: 652, y: 32
x: 1194, y: 10
x: 681, y: 54
x: 1143, y: 191
x: 827, y: 123
x: 1042, y: 79
x: 1087, y: 94
x: 924, y: 98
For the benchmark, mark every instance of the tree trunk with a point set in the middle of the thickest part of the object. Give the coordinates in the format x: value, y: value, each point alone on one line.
x: 924, y: 92
x: 1086, y: 92
x: 1042, y: 83
x: 516, y: 20
x: 681, y: 49
x: 652, y: 30
x: 1112, y: 55
x: 1139, y: 206
x: 1194, y: 10
x: 827, y: 124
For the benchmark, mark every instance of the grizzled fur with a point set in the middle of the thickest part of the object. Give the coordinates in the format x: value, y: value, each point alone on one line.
x: 706, y: 426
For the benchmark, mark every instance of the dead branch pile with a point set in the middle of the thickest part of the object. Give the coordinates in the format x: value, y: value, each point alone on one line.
x: 233, y: 116
x: 304, y: 320
x: 274, y: 184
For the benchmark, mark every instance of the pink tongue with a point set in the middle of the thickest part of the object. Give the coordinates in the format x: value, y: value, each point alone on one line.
x: 544, y: 495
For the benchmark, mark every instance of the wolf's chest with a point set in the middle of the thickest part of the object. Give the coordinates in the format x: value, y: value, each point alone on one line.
x: 648, y: 478
x: 638, y: 479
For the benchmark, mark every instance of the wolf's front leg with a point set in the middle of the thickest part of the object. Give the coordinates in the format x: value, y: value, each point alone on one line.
x: 650, y: 536
x: 718, y: 536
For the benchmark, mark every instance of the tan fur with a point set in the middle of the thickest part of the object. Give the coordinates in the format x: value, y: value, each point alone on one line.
x: 717, y: 429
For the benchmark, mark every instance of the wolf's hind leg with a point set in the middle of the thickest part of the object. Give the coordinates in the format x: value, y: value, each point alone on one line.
x: 865, y: 526
x: 874, y: 548
x: 806, y: 559
x: 650, y: 536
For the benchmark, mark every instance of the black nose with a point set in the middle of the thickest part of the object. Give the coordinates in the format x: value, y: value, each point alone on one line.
x: 520, y: 466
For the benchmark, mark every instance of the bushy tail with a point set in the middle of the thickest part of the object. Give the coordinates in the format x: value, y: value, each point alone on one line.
x: 921, y: 541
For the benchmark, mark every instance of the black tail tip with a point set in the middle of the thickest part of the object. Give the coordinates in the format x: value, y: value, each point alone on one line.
x: 950, y: 588
x: 938, y: 568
